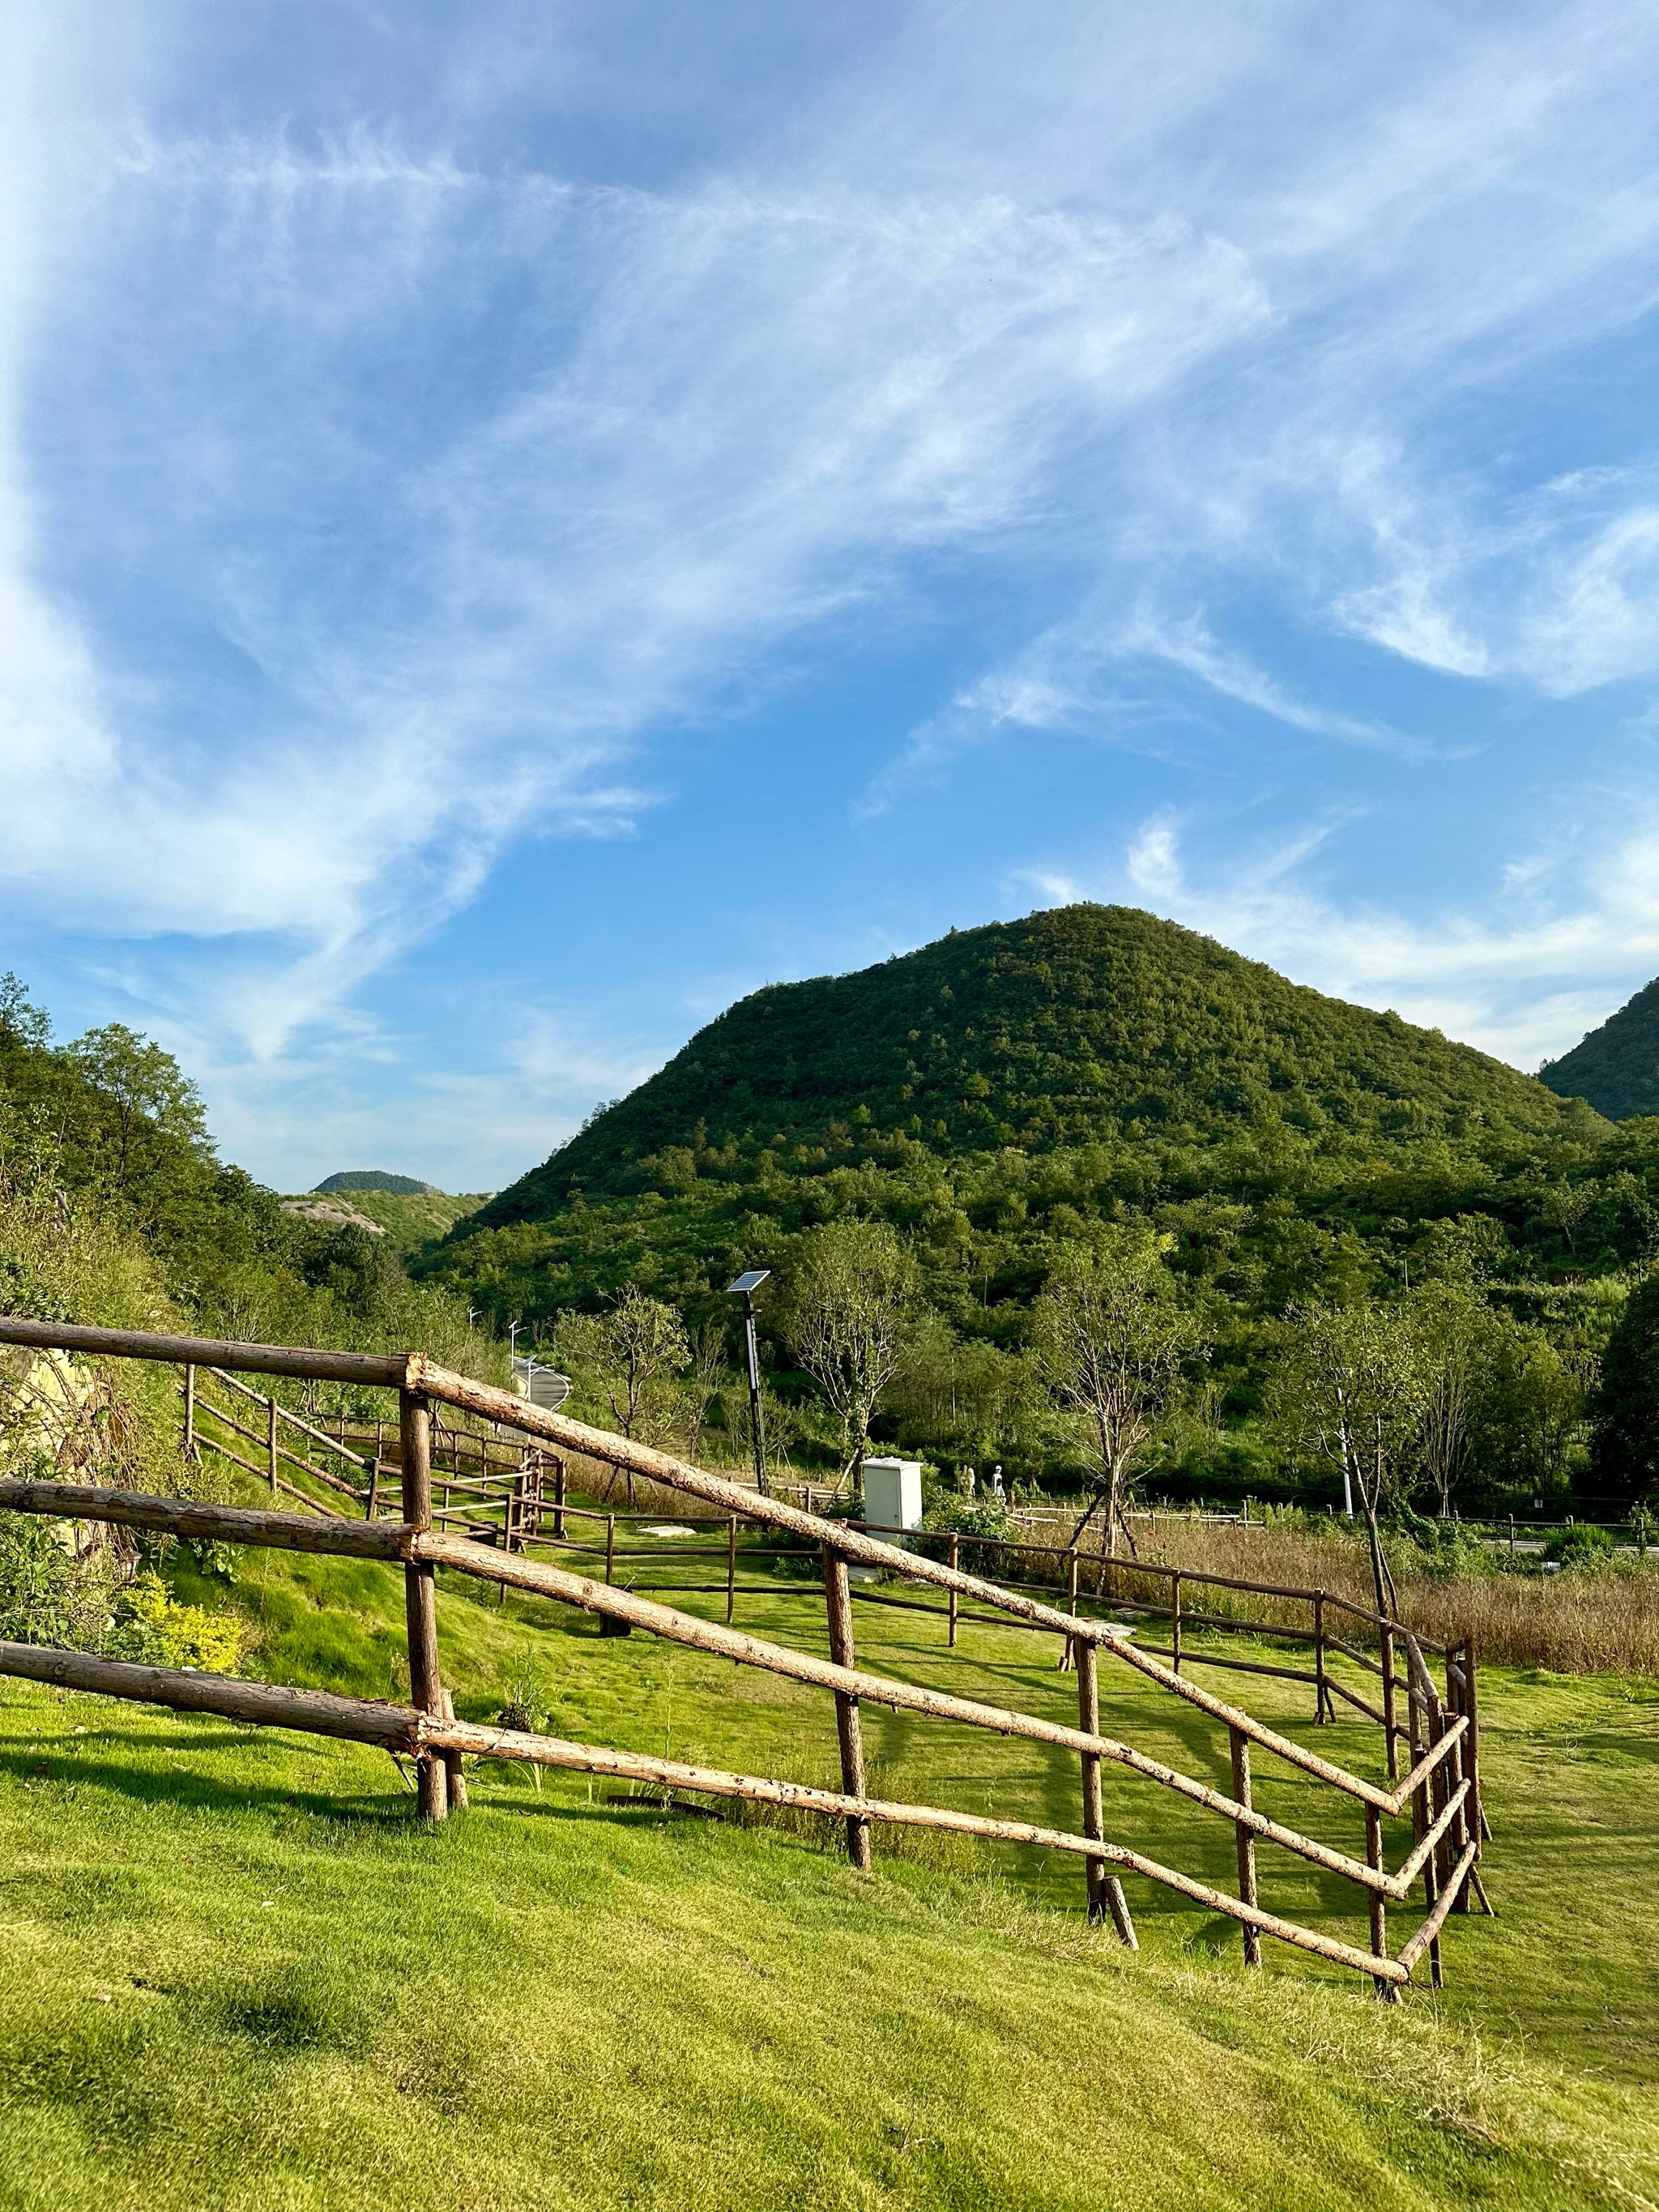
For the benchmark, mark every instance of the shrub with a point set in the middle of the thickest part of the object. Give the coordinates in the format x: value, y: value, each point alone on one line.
x: 951, y: 1514
x: 1582, y: 1546
x: 47, y: 1594
x: 1442, y: 1549
x: 153, y: 1629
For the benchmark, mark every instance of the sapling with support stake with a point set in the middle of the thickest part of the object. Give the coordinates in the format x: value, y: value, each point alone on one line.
x: 1111, y: 1343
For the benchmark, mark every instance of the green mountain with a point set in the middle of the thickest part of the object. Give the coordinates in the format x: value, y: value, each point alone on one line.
x: 1616, y: 1068
x: 998, y: 1091
x: 1084, y: 1025
x: 400, y: 1186
x: 409, y: 1221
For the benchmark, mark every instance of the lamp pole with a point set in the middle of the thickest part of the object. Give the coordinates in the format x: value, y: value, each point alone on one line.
x: 745, y: 1287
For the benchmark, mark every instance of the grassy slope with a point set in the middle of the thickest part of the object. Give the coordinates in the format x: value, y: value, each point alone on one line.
x: 410, y: 1221
x: 555, y: 2003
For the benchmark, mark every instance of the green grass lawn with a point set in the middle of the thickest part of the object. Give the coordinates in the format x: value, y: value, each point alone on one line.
x: 233, y: 1971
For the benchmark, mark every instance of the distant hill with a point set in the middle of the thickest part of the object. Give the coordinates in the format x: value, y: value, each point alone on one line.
x: 1616, y: 1068
x: 1084, y: 1025
x: 376, y: 1179
x: 410, y: 1221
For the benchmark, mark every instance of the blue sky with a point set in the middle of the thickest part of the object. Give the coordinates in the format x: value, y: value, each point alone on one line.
x: 521, y: 523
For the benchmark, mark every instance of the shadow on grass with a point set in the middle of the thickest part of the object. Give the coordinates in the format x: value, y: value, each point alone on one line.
x: 140, y: 1785
x: 132, y: 1780
x: 1617, y: 1747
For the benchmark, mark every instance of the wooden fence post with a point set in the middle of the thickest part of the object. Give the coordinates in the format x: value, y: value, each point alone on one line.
x: 1245, y: 1840
x: 1321, y: 1695
x: 270, y: 1443
x: 1477, y: 1829
x: 952, y: 1601
x: 558, y: 1495
x: 455, y: 1780
x: 1390, y: 1731
x: 1175, y: 1620
x: 1069, y: 1647
x: 1457, y: 1769
x: 610, y: 1544
x: 1105, y: 1890
x: 731, y: 1567
x: 1379, y: 1911
x: 373, y: 1505
x: 190, y: 1412
x: 420, y: 1592
x: 1430, y: 1796
x: 1414, y: 1717
x: 838, y: 1604
x: 1461, y: 1829
x: 1481, y: 1827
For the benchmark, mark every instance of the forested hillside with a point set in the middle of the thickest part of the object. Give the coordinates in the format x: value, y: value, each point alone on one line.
x: 408, y: 1220
x: 1616, y: 1066
x: 1088, y: 1025
x: 1003, y: 1094
x: 115, y: 1208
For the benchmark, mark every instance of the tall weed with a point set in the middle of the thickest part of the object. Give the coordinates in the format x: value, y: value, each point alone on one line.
x: 1598, y: 1616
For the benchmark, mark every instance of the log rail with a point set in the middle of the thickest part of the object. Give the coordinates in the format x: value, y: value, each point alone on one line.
x: 1441, y: 1792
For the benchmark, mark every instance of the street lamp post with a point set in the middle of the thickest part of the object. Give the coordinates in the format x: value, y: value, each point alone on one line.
x: 745, y: 1287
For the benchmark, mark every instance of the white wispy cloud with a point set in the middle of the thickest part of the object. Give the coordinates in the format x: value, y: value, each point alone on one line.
x: 368, y: 493
x: 1523, y: 974
x: 1099, y: 678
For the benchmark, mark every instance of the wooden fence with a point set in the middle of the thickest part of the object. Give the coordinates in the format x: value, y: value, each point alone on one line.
x: 503, y: 1490
x: 519, y: 1496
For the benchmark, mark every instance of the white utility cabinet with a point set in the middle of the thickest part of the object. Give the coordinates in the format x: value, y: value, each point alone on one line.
x: 892, y: 1499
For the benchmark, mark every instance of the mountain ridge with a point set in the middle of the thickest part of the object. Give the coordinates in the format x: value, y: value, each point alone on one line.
x: 1615, y: 1066
x: 1078, y: 1024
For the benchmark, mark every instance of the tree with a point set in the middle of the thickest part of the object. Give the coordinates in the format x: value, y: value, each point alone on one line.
x: 21, y: 1022
x: 1625, y: 1424
x: 965, y: 1399
x: 1527, y: 1418
x: 629, y: 1357
x: 706, y: 1382
x: 1110, y: 1343
x: 1350, y: 1389
x: 845, y: 1316
x: 779, y: 1423
x: 1564, y: 1206
x: 1469, y: 1250
x: 1454, y: 1331
x: 143, y: 1089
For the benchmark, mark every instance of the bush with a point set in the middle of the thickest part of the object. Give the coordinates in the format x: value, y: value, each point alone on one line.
x: 1582, y: 1546
x: 951, y: 1514
x: 48, y: 1595
x: 153, y: 1629
x: 1446, y: 1550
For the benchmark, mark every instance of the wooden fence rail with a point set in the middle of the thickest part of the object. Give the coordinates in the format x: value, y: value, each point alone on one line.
x: 502, y: 1492
x: 1440, y: 1793
x: 408, y: 1729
